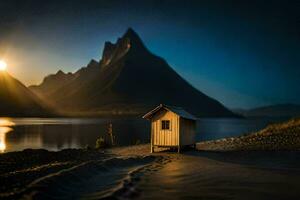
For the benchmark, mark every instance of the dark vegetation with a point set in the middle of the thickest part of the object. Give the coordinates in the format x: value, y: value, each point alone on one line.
x: 101, y: 143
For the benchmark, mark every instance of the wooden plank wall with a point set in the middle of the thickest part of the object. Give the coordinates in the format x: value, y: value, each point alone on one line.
x: 187, y: 131
x: 165, y: 137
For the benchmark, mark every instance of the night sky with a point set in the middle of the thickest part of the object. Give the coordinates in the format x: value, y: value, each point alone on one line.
x: 243, y: 53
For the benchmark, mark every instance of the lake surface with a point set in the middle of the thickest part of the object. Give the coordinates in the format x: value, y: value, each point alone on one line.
x: 58, y: 133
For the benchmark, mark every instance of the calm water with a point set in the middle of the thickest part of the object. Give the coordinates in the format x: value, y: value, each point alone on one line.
x: 58, y: 133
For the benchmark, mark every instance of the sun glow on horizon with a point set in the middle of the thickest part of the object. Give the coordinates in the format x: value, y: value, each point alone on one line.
x: 3, y: 65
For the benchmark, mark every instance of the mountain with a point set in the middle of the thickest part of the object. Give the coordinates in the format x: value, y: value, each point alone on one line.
x: 17, y: 100
x: 279, y: 110
x: 51, y: 83
x: 129, y: 79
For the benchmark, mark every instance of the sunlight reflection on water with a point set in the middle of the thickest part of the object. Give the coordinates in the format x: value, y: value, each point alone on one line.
x: 5, y: 124
x: 3, y: 132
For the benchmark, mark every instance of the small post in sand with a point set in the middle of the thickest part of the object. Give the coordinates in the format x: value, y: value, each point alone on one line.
x: 110, y: 133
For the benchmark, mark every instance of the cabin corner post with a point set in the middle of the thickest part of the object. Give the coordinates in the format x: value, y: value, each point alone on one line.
x: 179, y: 133
x: 151, y: 138
x: 152, y: 146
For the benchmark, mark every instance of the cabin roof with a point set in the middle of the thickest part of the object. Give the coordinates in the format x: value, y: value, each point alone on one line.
x: 177, y: 110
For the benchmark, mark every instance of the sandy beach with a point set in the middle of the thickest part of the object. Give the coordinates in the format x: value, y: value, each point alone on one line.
x: 133, y: 173
x: 70, y: 173
x: 236, y: 175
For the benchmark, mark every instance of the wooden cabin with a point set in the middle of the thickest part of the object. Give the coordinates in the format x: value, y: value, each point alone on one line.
x: 171, y: 127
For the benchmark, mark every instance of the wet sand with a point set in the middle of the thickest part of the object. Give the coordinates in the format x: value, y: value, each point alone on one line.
x: 18, y: 170
x: 236, y: 175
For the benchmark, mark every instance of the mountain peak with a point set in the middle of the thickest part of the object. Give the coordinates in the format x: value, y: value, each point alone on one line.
x: 60, y: 72
x: 129, y: 42
x: 129, y: 29
x: 93, y: 63
x: 133, y: 39
x: 130, y: 33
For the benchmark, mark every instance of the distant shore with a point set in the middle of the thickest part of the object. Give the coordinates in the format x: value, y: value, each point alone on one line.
x: 280, y: 136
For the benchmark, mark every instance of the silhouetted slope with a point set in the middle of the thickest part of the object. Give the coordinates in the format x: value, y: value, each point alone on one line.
x: 17, y: 100
x: 130, y: 79
x: 51, y: 83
